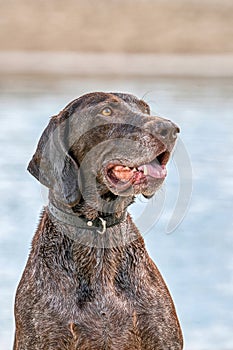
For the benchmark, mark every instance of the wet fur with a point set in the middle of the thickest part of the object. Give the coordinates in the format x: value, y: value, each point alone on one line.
x: 74, y: 296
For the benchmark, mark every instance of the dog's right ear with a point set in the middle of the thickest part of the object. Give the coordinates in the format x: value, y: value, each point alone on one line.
x: 52, y: 165
x: 40, y: 165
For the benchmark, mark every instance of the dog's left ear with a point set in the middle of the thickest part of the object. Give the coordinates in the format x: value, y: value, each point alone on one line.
x: 52, y: 165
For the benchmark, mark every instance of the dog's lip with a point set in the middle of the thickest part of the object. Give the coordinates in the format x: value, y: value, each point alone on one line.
x: 124, y: 174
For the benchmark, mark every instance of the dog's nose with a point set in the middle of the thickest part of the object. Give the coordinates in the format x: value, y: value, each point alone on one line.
x: 166, y: 130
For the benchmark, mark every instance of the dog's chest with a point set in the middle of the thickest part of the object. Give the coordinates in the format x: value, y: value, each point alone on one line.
x: 109, y: 321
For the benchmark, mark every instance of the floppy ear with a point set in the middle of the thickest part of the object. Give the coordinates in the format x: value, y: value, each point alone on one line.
x: 52, y: 165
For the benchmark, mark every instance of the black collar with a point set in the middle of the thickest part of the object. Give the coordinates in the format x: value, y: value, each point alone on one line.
x: 99, y: 224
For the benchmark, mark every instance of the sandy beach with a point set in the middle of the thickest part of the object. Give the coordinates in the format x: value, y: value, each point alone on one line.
x: 139, y: 26
x: 115, y: 64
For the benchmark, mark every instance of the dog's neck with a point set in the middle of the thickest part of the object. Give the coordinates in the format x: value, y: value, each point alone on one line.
x: 84, y: 216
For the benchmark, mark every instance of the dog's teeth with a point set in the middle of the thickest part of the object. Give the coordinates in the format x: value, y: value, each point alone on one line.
x: 134, y: 169
x: 145, y: 170
x: 127, y: 168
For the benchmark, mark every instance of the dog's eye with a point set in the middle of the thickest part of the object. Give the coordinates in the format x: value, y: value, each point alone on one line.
x: 106, y: 112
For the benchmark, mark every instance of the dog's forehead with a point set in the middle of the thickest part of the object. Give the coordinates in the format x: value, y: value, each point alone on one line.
x: 133, y: 101
x: 98, y: 98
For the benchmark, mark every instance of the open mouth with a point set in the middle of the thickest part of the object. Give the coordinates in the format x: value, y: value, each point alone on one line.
x: 123, y: 176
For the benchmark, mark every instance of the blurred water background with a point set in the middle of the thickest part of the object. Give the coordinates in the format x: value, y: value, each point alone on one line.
x: 196, y: 259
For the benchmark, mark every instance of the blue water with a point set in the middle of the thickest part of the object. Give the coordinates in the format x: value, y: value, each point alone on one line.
x: 196, y: 258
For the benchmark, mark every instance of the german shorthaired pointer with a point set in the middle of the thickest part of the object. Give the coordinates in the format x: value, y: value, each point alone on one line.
x: 89, y: 283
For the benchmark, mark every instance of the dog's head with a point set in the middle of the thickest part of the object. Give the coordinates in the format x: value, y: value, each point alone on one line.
x: 104, y: 145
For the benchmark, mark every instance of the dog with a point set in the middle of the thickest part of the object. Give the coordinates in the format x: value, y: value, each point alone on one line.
x: 89, y: 282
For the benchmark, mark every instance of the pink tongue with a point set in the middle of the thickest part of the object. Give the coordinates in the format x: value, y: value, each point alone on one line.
x: 154, y: 170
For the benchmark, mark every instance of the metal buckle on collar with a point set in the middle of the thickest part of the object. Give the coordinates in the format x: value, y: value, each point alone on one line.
x: 104, y: 225
x: 103, y: 222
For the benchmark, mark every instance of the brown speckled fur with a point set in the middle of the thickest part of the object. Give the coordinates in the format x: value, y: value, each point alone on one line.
x: 76, y: 296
